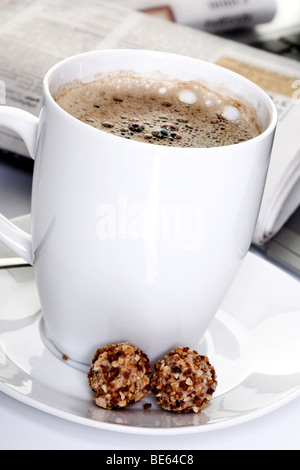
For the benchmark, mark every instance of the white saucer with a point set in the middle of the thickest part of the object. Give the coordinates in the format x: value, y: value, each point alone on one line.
x: 253, y: 342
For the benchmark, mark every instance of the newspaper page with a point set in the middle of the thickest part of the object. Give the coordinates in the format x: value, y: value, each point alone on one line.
x: 208, y: 15
x: 38, y: 33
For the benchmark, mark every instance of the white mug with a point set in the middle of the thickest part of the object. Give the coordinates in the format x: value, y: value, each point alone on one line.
x: 133, y: 241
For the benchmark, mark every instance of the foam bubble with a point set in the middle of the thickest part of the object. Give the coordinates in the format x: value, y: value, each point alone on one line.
x: 162, y: 90
x: 188, y: 96
x: 231, y: 113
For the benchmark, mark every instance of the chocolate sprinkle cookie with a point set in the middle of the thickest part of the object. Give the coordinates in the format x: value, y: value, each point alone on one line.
x: 120, y: 376
x: 183, y: 381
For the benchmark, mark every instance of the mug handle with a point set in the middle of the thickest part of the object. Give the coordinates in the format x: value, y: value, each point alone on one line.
x: 26, y: 125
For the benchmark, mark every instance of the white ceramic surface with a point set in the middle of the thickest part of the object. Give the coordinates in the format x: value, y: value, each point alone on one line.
x: 253, y: 342
x: 153, y: 291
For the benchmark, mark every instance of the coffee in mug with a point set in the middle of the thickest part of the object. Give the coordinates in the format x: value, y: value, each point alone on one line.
x: 165, y: 112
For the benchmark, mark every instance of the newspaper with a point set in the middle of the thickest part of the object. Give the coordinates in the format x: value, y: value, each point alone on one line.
x: 208, y: 15
x: 35, y: 34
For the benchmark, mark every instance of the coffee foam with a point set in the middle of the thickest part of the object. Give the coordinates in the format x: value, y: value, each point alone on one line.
x: 198, y: 116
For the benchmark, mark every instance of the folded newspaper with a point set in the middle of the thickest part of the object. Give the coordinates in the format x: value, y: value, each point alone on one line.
x: 35, y: 34
x: 208, y: 15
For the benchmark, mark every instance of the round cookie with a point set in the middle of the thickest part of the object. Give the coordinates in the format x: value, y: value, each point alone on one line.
x: 120, y: 376
x: 183, y: 381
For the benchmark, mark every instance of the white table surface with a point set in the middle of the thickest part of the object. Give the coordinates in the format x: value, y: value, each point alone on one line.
x: 24, y: 427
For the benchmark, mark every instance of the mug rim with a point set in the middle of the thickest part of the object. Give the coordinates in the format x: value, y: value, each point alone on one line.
x: 267, y: 99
